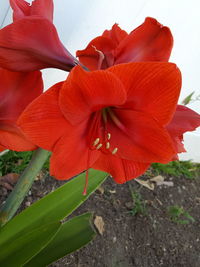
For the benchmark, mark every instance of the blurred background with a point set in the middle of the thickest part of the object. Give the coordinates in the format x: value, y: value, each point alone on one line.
x: 79, y: 21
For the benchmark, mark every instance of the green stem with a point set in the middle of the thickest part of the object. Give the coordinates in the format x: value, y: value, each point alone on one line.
x: 23, y: 185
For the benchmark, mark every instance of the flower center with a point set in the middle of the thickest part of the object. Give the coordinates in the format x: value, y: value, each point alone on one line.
x: 101, y: 137
x: 97, y: 145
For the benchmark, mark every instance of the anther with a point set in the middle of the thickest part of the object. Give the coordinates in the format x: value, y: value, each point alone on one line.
x: 99, y: 146
x: 115, y: 150
x: 107, y: 145
x: 96, y: 141
x: 109, y: 136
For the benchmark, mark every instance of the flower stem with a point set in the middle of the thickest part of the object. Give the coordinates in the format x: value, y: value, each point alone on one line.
x: 23, y: 185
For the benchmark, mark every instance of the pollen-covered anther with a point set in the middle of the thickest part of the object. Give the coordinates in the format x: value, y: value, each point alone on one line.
x: 107, y: 145
x: 99, y: 146
x: 109, y: 136
x: 114, y: 150
x: 96, y: 142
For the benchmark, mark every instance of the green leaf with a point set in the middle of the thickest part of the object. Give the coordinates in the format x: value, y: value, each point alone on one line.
x: 71, y: 236
x: 188, y: 99
x: 53, y: 207
x: 16, y: 252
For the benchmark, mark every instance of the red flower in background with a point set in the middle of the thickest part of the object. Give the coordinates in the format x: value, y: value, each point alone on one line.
x: 21, y: 9
x: 148, y: 42
x: 113, y: 120
x: 31, y: 42
x: 17, y: 90
x: 184, y: 120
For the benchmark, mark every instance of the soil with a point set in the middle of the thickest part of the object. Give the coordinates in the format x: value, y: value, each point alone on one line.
x: 148, y: 238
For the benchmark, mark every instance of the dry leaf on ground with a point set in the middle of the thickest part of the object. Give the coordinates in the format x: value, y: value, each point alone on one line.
x: 100, y: 190
x: 10, y: 178
x: 99, y: 224
x: 148, y: 184
x: 159, y: 180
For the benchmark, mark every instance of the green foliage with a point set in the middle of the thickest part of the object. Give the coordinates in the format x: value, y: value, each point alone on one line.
x: 139, y: 205
x: 25, y: 246
x: 179, y: 215
x: 178, y: 168
x: 188, y: 99
x: 16, y: 162
x: 71, y: 236
x: 33, y: 230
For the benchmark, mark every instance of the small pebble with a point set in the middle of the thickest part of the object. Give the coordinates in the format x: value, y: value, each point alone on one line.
x: 28, y: 203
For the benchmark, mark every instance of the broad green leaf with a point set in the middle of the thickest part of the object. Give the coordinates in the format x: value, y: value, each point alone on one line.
x: 24, y: 247
x: 71, y: 236
x: 53, y: 207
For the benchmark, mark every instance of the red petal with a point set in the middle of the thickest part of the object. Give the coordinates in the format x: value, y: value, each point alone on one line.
x: 17, y: 90
x: 11, y: 137
x: 121, y: 170
x: 20, y: 8
x: 98, y: 47
x: 139, y: 137
x: 85, y: 92
x: 32, y: 43
x: 2, y: 148
x: 43, y: 121
x: 177, y: 140
x: 149, y: 42
x: 71, y: 154
x: 43, y: 8
x: 152, y: 87
x: 116, y: 34
x: 184, y: 120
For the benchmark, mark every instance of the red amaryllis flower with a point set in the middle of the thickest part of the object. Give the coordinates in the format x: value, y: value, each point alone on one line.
x: 21, y: 9
x: 149, y: 42
x: 32, y: 43
x: 17, y: 90
x: 184, y: 120
x: 112, y: 120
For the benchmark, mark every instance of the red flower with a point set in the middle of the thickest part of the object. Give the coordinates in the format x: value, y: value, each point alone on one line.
x: 17, y: 90
x: 31, y: 42
x: 148, y: 42
x: 184, y: 120
x: 113, y: 120
x: 21, y: 9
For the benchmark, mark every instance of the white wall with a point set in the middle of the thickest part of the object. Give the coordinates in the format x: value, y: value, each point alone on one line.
x: 78, y: 21
x: 4, y: 8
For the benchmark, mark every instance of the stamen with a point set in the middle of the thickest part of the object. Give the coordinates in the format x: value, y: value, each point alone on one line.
x: 96, y: 141
x: 109, y: 136
x: 99, y: 146
x: 107, y: 145
x: 115, y: 150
